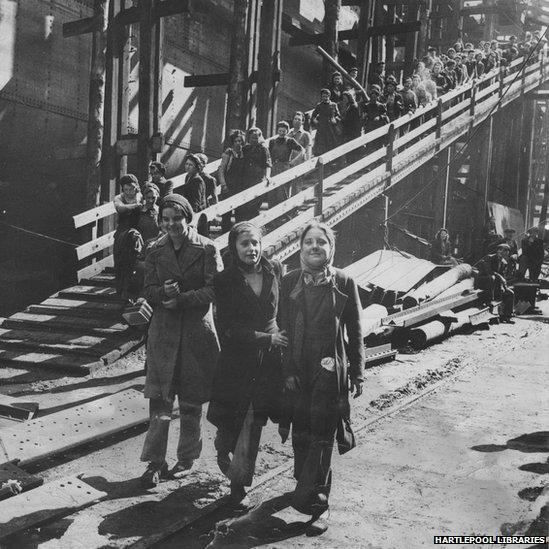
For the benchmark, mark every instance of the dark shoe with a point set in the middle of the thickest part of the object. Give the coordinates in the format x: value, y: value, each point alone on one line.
x: 507, y: 320
x: 238, y: 498
x: 182, y: 468
x: 153, y: 474
x: 318, y: 525
x: 223, y: 462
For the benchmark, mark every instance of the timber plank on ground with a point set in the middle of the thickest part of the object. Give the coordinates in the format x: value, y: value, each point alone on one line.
x: 16, y: 408
x: 70, y: 324
x: 76, y: 364
x: 59, y: 342
x: 103, y: 279
x: 90, y: 293
x: 81, y: 309
x: 55, y: 433
x: 50, y: 501
x: 10, y: 471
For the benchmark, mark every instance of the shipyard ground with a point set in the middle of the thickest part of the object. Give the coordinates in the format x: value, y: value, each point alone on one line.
x: 452, y: 440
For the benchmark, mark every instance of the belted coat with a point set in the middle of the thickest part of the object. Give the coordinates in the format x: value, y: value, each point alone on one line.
x: 181, y: 341
x: 349, y: 354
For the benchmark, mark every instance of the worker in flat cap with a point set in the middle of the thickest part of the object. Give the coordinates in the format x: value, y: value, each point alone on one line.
x: 182, y: 344
x: 491, y: 277
x: 509, y: 239
x: 532, y: 255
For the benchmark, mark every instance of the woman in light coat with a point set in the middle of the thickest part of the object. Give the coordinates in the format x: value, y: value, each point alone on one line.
x: 182, y: 345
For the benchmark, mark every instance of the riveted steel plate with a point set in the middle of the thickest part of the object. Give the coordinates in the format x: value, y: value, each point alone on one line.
x: 10, y: 471
x: 48, y: 502
x: 55, y: 433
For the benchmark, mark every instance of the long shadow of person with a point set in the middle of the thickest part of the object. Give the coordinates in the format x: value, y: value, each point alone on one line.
x: 527, y: 443
x: 258, y: 527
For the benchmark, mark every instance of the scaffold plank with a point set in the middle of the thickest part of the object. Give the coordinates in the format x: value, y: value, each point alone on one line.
x: 43, y: 437
x: 45, y: 503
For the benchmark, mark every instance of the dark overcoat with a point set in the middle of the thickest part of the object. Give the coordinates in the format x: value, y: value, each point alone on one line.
x: 182, y: 340
x: 349, y: 355
x: 248, y: 369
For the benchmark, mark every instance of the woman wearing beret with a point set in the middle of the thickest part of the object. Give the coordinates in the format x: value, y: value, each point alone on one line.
x: 318, y: 305
x: 325, y: 118
x: 247, y: 384
x: 182, y: 345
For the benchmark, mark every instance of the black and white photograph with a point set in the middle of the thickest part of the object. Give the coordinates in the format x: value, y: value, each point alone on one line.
x: 274, y: 274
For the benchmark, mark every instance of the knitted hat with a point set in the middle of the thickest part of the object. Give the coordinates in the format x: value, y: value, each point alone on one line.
x: 180, y: 201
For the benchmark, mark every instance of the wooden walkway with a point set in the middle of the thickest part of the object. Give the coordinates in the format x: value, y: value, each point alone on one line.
x: 78, y: 329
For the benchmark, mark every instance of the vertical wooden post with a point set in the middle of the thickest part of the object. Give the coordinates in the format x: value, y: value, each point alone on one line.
x: 446, y: 185
x: 147, y: 64
x: 488, y: 22
x: 331, y: 45
x: 158, y: 70
x: 472, y: 104
x: 268, y: 64
x: 379, y: 15
x: 252, y: 40
x: 489, y: 149
x: 411, y: 52
x: 363, y: 44
x: 390, y: 39
x: 94, y: 146
x: 438, y: 127
x: 423, y: 34
x: 121, y: 94
x: 319, y: 188
x: 237, y: 89
x: 390, y: 149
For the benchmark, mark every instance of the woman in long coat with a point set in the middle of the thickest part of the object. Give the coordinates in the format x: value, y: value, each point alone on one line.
x: 325, y: 118
x: 318, y: 305
x: 182, y: 345
x: 247, y: 385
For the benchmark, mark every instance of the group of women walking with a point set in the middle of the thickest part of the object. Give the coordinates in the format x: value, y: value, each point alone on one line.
x: 282, y: 348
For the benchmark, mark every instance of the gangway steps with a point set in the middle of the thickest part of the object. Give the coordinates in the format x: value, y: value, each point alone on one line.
x: 79, y: 329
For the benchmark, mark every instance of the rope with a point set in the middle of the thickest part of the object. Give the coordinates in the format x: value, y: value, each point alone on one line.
x: 40, y: 235
x: 459, y: 153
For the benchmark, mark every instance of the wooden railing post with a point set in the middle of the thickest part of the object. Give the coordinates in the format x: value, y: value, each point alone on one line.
x: 319, y: 188
x: 438, y: 127
x: 390, y: 149
x: 501, y: 81
x: 473, y: 99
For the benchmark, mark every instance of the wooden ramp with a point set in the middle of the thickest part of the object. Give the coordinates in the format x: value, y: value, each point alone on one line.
x: 79, y: 329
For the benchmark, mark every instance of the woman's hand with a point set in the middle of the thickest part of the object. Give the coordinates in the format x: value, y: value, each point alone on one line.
x: 279, y: 339
x: 171, y: 288
x: 356, y: 386
x: 292, y: 384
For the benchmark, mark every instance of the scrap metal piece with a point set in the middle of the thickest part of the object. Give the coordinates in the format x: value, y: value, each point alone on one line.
x: 379, y: 353
x: 55, y: 433
x: 10, y: 471
x: 15, y: 408
x: 48, y: 502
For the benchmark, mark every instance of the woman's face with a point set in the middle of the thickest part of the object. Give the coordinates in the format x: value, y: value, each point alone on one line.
x: 315, y: 249
x: 174, y: 222
x: 129, y: 191
x: 238, y: 142
x: 337, y: 80
x: 150, y: 199
x: 248, y: 247
x: 416, y: 81
x: 253, y: 138
x: 190, y: 167
x: 156, y: 174
x: 325, y: 97
x: 297, y: 121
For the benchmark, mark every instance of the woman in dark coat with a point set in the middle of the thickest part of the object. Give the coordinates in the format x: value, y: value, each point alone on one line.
x: 248, y: 379
x: 325, y: 118
x: 350, y: 122
x: 441, y: 249
x: 318, y: 305
x: 182, y: 345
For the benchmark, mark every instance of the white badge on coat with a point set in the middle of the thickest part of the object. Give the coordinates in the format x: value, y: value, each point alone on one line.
x: 328, y: 363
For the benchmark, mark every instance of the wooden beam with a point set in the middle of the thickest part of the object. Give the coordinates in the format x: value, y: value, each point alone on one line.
x: 331, y: 36
x: 96, y: 109
x: 354, y: 33
x: 268, y: 69
x: 202, y: 80
x: 81, y: 26
x: 363, y: 46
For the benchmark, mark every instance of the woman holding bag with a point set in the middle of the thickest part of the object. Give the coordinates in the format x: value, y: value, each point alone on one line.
x: 318, y: 306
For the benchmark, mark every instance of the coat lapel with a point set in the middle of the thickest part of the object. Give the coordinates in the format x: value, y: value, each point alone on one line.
x: 194, y: 251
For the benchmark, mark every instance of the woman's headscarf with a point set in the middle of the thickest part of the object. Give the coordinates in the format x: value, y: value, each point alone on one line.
x: 318, y: 276
x: 236, y: 231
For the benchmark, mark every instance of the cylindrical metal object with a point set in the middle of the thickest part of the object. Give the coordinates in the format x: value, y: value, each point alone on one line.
x: 436, y: 329
x: 371, y: 318
x: 438, y: 285
x: 459, y: 288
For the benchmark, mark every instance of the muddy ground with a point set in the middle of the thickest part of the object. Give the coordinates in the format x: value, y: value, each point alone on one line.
x: 381, y: 482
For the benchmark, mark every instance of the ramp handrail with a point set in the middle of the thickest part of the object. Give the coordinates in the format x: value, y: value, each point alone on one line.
x: 471, y: 103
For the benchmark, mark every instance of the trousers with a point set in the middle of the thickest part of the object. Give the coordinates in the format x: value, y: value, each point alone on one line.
x: 243, y: 445
x: 313, y: 432
x: 190, y: 432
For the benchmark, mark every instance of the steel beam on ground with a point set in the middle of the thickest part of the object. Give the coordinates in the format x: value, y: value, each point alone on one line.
x: 10, y: 471
x: 48, y: 502
x: 55, y: 433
